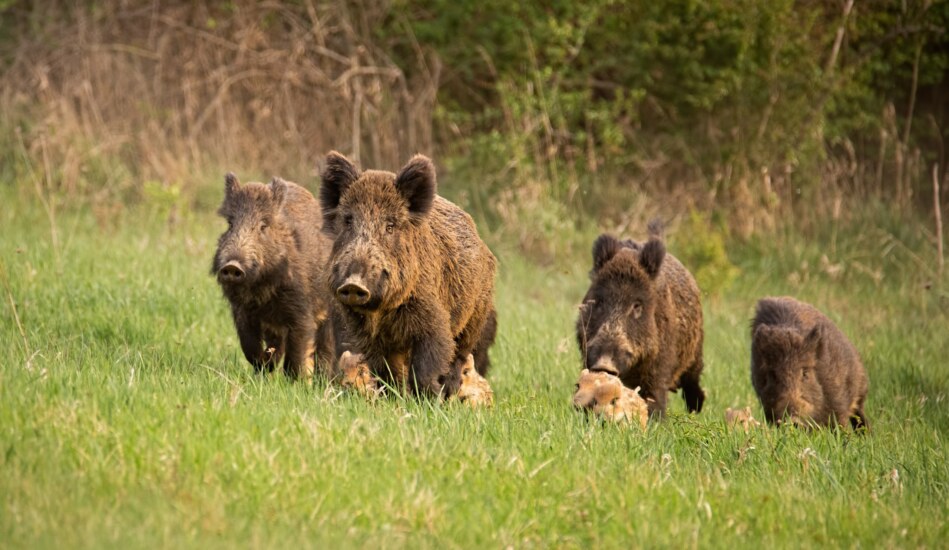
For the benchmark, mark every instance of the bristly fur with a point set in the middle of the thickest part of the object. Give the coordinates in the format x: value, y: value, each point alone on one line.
x: 803, y: 367
x: 231, y: 182
x: 655, y: 228
x: 278, y: 188
x: 653, y: 252
x: 604, y: 248
x: 416, y: 182
x: 773, y: 312
x: 279, y: 307
x: 426, y: 275
x: 642, y: 320
x: 338, y: 174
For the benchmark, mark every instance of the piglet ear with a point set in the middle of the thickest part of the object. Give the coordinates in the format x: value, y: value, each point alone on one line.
x: 651, y: 257
x: 604, y: 248
x: 337, y: 176
x: 813, y: 339
x: 416, y: 183
x: 769, y: 341
x: 762, y: 333
x: 278, y: 190
x: 231, y: 183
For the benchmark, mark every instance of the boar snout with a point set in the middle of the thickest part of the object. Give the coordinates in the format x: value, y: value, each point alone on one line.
x: 231, y: 272
x: 605, y: 364
x: 353, y: 292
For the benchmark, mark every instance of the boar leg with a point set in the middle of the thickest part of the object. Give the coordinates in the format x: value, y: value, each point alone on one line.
x: 657, y: 404
x: 480, y: 352
x: 250, y: 335
x: 859, y: 419
x: 300, y: 351
x: 474, y: 341
x: 275, y: 342
x: 691, y: 390
x: 432, y: 365
x: 325, y: 347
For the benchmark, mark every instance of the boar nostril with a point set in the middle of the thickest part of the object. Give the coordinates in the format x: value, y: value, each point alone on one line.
x: 231, y: 271
x: 353, y: 293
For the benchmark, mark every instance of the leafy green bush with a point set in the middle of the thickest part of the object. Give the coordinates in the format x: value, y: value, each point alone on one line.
x: 700, y: 246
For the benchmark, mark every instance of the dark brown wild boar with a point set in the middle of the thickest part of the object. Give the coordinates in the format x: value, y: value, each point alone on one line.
x: 641, y: 320
x: 803, y: 367
x: 269, y: 264
x: 413, y: 281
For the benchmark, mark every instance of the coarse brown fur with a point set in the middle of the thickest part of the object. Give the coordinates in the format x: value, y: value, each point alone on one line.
x: 641, y: 320
x: 804, y: 368
x: 269, y: 264
x: 413, y: 280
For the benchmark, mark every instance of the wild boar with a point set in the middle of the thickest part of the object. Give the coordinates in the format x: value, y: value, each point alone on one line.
x: 413, y: 281
x: 269, y: 264
x: 641, y: 320
x: 803, y: 368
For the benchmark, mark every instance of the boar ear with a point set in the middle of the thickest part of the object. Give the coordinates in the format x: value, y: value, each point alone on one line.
x: 655, y: 228
x: 278, y: 189
x: 231, y: 183
x: 769, y: 337
x: 812, y: 339
x: 762, y: 332
x: 651, y: 256
x: 337, y: 176
x: 416, y: 182
x: 604, y: 248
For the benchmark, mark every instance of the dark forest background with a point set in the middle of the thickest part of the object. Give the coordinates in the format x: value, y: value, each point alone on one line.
x: 746, y: 113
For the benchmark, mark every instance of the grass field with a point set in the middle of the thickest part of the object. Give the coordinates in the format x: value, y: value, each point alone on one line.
x: 128, y: 417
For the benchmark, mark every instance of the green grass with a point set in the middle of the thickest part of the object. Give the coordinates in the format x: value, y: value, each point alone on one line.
x: 129, y: 418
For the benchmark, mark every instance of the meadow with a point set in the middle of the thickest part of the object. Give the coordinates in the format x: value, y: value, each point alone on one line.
x: 128, y: 416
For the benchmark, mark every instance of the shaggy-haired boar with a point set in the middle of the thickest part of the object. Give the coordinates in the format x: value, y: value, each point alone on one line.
x: 414, y: 283
x: 641, y: 320
x: 803, y: 367
x: 269, y: 264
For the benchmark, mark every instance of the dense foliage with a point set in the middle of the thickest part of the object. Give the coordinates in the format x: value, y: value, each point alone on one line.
x: 738, y: 103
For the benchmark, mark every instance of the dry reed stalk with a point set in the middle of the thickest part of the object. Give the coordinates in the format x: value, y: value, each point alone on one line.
x: 263, y: 86
x: 937, y: 207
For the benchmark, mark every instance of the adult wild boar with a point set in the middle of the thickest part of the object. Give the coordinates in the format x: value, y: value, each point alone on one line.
x: 269, y: 264
x: 803, y: 367
x: 641, y: 320
x: 413, y: 281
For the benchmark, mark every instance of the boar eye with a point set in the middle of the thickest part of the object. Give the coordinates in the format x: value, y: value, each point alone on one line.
x: 390, y: 227
x: 637, y: 310
x: 348, y: 220
x: 263, y: 226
